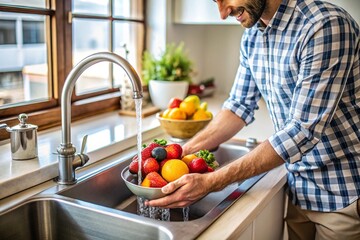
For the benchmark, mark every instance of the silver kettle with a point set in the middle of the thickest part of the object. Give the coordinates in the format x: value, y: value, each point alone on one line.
x: 23, y: 138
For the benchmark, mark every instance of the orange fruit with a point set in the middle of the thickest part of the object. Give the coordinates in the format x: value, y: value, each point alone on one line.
x: 188, y: 107
x: 174, y: 169
x: 187, y: 158
x: 200, y: 115
x: 176, y: 113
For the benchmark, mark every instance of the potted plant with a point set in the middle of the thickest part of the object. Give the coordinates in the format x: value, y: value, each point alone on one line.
x: 167, y: 76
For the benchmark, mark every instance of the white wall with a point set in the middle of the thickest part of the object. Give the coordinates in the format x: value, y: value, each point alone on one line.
x: 352, y: 6
x: 213, y: 49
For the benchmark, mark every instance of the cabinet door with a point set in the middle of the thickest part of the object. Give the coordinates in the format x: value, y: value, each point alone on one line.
x: 198, y: 12
x: 270, y: 222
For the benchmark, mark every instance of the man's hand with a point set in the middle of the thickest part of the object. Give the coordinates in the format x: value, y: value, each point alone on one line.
x: 211, y: 136
x: 184, y: 191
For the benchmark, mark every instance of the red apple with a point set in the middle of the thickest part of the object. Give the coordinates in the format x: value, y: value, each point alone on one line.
x: 174, y: 103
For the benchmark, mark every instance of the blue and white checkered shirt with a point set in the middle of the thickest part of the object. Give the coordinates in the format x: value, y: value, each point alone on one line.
x: 305, y: 64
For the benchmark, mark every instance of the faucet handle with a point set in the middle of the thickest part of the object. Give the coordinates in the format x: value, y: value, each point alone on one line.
x: 83, y: 145
x: 81, y: 158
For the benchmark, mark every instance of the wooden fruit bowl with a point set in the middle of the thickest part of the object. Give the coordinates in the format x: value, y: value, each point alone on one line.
x: 182, y: 129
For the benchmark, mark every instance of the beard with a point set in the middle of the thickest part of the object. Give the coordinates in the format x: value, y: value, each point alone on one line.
x: 254, y: 8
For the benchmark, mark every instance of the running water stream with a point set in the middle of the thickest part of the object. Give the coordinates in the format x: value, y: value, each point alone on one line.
x: 151, y: 212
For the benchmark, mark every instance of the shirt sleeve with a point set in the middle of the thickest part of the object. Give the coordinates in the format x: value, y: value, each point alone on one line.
x: 244, y: 94
x: 326, y: 57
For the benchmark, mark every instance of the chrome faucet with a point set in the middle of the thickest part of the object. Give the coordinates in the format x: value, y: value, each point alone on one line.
x: 68, y: 160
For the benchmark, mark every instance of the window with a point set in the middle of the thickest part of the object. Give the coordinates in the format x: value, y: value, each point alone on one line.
x: 24, y: 66
x: 7, y: 31
x: 116, y: 26
x: 33, y: 32
x: 42, y: 42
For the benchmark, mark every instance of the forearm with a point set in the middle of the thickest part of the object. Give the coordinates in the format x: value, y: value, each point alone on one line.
x: 224, y: 126
x: 262, y: 159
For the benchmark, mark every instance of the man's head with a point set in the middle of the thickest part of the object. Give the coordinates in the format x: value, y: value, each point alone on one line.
x: 247, y: 12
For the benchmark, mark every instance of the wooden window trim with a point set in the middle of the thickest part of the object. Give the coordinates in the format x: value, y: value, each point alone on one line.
x: 47, y: 114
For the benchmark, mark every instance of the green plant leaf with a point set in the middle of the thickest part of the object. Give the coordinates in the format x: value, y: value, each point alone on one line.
x: 172, y: 65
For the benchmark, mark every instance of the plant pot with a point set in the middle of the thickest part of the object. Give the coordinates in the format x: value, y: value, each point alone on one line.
x: 162, y: 91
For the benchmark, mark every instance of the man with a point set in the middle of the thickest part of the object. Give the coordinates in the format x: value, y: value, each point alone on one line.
x: 302, y: 57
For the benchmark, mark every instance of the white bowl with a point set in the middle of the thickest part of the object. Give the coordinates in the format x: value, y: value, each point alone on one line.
x: 131, y: 181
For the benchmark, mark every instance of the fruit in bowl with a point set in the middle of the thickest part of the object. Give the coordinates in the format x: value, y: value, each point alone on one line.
x: 192, y: 106
x: 184, y: 118
x: 157, y: 173
x: 181, y: 129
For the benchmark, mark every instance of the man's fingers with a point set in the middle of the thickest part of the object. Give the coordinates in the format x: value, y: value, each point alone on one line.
x: 172, y: 187
x: 165, y: 202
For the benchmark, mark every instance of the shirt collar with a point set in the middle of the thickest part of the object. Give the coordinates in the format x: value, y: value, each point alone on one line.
x: 281, y: 18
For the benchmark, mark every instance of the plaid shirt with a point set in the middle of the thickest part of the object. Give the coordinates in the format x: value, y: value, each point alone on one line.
x: 305, y: 64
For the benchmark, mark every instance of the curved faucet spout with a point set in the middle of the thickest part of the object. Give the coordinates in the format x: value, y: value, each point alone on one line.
x: 75, y: 74
x: 66, y: 150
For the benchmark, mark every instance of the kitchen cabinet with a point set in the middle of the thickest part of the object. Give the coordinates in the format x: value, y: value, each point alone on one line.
x: 198, y: 12
x: 257, y: 215
x: 269, y: 223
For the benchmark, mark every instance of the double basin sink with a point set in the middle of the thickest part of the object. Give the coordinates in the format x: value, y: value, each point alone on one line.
x: 100, y: 206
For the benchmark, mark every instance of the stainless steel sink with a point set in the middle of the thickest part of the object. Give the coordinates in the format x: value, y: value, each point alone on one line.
x: 107, y: 189
x: 52, y: 218
x: 100, y: 206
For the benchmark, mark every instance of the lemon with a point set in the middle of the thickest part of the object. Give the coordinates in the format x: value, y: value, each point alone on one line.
x: 193, y: 98
x: 165, y: 114
x: 177, y: 113
x: 203, y: 106
x: 209, y: 114
x: 201, y: 115
x: 188, y: 107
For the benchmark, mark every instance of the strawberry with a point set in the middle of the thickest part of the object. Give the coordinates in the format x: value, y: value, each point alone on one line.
x: 146, y: 152
x: 210, y: 169
x: 151, y: 165
x: 174, y: 151
x: 134, y: 167
x: 198, y: 165
x: 153, y: 179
